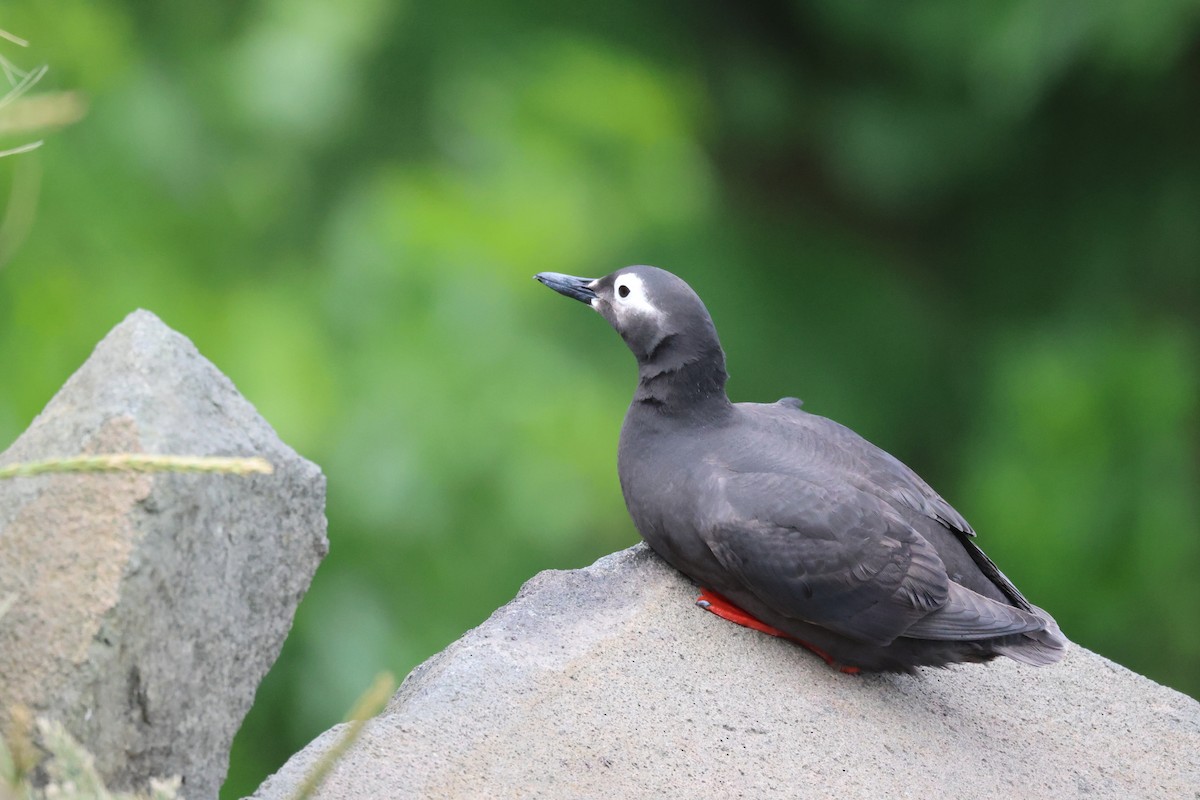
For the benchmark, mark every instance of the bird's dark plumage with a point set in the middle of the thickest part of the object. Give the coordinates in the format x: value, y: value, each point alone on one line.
x: 794, y: 518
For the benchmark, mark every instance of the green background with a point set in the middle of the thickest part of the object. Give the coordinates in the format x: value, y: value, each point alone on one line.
x: 969, y: 231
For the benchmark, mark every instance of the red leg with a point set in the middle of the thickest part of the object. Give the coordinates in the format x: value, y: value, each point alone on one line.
x: 717, y: 604
x: 828, y: 658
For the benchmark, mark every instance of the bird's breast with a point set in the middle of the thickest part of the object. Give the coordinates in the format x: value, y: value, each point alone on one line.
x: 662, y: 482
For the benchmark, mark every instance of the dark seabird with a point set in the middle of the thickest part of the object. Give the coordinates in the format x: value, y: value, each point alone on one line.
x: 791, y: 523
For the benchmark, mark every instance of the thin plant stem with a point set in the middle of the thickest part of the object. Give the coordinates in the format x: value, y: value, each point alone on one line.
x: 369, y: 704
x: 139, y: 462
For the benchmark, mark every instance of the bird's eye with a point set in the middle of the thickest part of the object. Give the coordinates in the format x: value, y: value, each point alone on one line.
x: 623, y: 290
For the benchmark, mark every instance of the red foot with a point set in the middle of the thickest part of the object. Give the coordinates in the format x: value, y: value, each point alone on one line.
x: 717, y: 604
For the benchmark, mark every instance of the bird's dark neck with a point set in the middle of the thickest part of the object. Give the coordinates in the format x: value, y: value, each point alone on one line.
x: 684, y: 382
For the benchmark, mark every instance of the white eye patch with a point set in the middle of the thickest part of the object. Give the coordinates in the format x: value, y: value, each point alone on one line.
x: 629, y: 298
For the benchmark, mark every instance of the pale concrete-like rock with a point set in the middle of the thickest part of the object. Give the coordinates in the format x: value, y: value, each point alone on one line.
x: 149, y: 607
x: 608, y: 682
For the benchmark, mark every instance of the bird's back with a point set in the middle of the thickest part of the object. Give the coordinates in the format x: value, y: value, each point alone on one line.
x: 779, y: 437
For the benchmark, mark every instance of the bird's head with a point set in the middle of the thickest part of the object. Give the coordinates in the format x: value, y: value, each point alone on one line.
x: 657, y: 314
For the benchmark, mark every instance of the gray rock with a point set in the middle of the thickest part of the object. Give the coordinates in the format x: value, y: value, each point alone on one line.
x: 609, y: 682
x: 149, y: 607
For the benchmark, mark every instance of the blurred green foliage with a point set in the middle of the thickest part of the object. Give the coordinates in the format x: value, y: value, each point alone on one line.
x: 971, y: 232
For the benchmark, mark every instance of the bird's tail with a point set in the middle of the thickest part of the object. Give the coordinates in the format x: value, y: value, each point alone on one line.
x: 1037, y: 648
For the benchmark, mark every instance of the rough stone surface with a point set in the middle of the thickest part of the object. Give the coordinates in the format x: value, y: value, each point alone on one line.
x: 609, y: 682
x: 148, y: 608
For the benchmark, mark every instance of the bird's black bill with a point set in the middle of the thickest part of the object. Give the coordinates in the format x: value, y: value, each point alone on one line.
x: 568, y: 285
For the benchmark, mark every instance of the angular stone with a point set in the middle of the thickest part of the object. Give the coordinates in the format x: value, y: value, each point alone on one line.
x: 149, y: 607
x: 609, y: 682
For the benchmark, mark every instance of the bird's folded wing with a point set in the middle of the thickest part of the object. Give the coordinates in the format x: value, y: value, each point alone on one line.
x: 969, y: 615
x: 875, y: 471
x: 879, y: 470
x: 832, y: 556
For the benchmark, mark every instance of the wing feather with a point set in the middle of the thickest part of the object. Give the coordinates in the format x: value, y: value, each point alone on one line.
x: 835, y: 557
x: 841, y: 558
